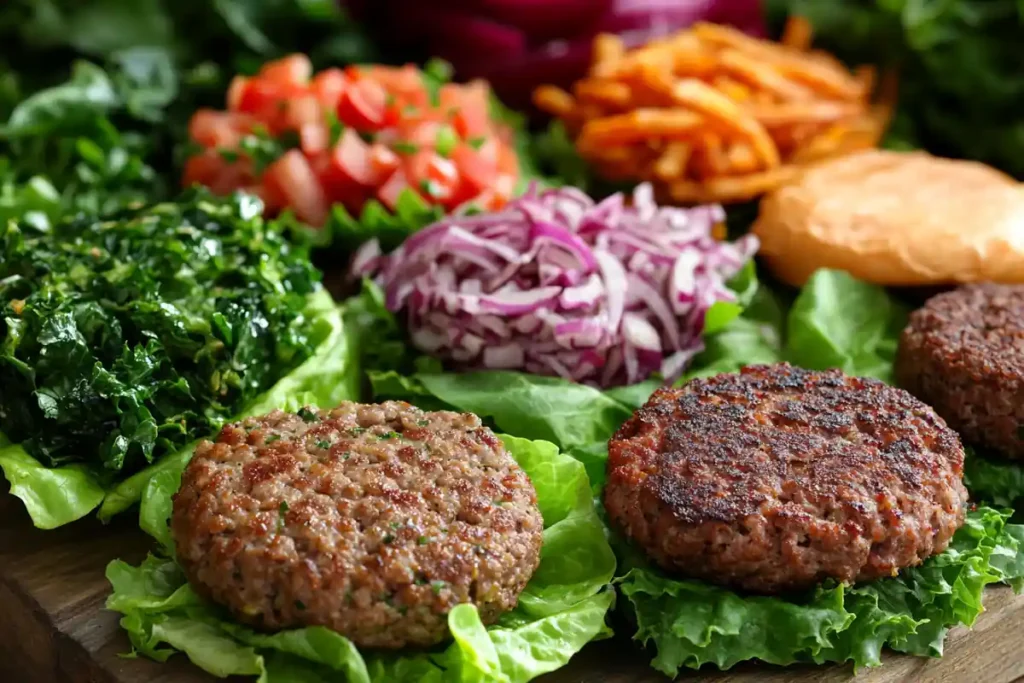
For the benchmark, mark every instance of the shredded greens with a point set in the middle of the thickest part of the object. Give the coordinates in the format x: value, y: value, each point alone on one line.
x: 137, y: 334
x: 562, y: 608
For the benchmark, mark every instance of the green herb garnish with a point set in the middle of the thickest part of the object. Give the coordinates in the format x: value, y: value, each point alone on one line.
x: 405, y: 147
x: 446, y: 140
x: 282, y: 511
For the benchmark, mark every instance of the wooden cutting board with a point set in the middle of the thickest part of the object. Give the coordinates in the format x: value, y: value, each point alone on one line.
x: 53, y: 628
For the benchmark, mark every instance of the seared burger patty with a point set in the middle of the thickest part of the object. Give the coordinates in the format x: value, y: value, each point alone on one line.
x: 963, y: 353
x: 776, y: 478
x: 372, y: 520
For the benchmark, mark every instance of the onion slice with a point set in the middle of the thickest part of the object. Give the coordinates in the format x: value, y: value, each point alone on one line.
x: 606, y: 294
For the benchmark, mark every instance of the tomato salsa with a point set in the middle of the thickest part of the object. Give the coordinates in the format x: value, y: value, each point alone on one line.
x: 305, y: 141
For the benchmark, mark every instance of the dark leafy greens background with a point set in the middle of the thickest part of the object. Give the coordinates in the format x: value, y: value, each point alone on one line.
x: 961, y: 68
x: 106, y: 133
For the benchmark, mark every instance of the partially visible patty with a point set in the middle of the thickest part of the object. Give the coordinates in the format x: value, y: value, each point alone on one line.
x: 776, y: 478
x: 372, y: 520
x: 963, y: 353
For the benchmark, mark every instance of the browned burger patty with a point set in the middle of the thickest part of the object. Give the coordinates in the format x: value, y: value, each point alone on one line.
x: 963, y: 353
x: 372, y: 520
x: 777, y: 478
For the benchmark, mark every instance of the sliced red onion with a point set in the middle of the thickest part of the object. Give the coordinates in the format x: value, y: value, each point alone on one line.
x: 605, y: 294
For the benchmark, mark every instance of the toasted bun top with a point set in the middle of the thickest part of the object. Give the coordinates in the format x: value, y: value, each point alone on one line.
x: 896, y: 218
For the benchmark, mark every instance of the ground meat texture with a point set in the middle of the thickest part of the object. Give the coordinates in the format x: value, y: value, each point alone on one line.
x: 777, y: 478
x: 372, y: 520
x: 963, y: 354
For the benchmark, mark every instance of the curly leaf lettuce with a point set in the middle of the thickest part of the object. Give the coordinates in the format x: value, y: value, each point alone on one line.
x: 563, y: 607
x: 57, y: 496
x: 994, y: 481
x: 691, y: 623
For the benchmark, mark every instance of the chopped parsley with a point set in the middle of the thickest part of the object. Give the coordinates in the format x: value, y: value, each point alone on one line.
x: 282, y: 512
x: 438, y: 586
x: 323, y: 443
x: 389, y: 435
x: 272, y: 438
x: 300, y: 605
x: 356, y: 431
x: 405, y: 147
x: 430, y: 188
x: 446, y: 141
x: 423, y: 540
x: 308, y: 415
x: 228, y: 155
x: 477, y: 142
x: 389, y: 538
x: 423, y: 423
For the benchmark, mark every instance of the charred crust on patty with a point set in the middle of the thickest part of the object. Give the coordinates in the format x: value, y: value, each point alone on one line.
x: 372, y: 520
x: 963, y: 353
x: 777, y: 478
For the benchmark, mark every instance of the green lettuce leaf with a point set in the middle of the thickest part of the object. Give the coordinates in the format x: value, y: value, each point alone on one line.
x: 58, y: 496
x: 562, y: 608
x: 840, y: 322
x: 993, y: 480
x: 692, y: 623
x: 52, y: 496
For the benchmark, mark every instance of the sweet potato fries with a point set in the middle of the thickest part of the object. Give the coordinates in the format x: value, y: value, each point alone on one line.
x: 712, y: 115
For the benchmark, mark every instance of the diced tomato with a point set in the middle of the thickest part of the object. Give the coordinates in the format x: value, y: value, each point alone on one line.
x: 328, y: 87
x: 384, y: 161
x: 314, y: 138
x: 433, y: 176
x: 420, y: 133
x: 270, y: 191
x: 450, y: 97
x: 223, y: 130
x: 351, y: 159
x: 303, y: 111
x: 389, y: 192
x: 202, y: 169
x: 363, y: 105
x: 508, y: 162
x: 404, y: 83
x: 476, y: 171
x: 268, y: 103
x: 391, y: 103
x: 294, y: 70
x: 473, y: 118
x: 236, y: 91
x: 300, y: 187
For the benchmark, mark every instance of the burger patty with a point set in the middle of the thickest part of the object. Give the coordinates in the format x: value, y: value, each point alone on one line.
x: 963, y: 353
x: 776, y: 478
x: 372, y: 520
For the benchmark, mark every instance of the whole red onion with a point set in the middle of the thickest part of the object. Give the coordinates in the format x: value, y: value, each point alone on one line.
x: 520, y: 44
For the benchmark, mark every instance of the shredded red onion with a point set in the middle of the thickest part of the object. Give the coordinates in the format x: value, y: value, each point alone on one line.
x: 602, y: 293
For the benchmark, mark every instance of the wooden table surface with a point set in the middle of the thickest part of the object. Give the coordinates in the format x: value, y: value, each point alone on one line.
x: 53, y: 628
